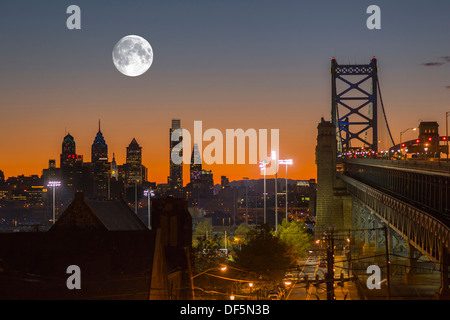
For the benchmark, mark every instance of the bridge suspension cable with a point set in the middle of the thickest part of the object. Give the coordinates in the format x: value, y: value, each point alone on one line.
x: 384, y: 112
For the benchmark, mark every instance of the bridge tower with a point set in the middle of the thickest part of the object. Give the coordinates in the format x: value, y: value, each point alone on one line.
x: 333, y: 204
x: 354, y: 104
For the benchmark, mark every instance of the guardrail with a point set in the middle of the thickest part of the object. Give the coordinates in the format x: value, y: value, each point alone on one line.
x: 438, y: 165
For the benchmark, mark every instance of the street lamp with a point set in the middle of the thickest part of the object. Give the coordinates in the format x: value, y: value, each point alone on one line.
x: 223, y: 268
x: 446, y: 129
x: 286, y: 162
x: 402, y: 132
x: 54, y: 185
x: 274, y: 158
x: 263, y: 164
x: 135, y: 197
x: 149, y: 193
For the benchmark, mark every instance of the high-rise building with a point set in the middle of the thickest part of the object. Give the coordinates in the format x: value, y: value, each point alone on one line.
x: 195, y: 166
x: 99, y: 150
x: 224, y: 182
x: 175, y: 179
x: 100, y: 165
x: 71, y: 164
x: 114, y: 169
x: 134, y: 163
x: 207, y: 183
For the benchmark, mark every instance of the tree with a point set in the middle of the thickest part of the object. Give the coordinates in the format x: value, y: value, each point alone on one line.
x: 293, y: 233
x: 202, y: 229
x: 265, y: 254
x: 241, y: 233
x: 207, y: 260
x: 207, y: 253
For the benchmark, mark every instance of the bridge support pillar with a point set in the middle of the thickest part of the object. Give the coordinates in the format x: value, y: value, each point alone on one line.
x: 443, y: 292
x: 333, y: 204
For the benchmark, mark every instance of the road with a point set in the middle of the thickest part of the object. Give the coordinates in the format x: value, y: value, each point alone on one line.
x: 311, y: 268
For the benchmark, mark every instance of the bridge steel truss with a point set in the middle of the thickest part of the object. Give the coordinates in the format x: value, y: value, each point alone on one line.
x: 346, y: 117
x: 421, y: 228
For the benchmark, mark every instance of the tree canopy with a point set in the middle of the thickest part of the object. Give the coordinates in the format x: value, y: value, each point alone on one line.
x: 266, y: 254
x: 294, y: 233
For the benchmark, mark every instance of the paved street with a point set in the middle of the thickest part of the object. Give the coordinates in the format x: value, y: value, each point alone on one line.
x: 311, y: 268
x: 419, y: 286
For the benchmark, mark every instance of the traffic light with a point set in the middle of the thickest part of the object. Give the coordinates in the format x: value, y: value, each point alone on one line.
x: 417, y: 141
x: 403, y: 145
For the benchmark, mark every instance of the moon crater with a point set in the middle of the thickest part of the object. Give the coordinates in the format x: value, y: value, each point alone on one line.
x: 132, y: 55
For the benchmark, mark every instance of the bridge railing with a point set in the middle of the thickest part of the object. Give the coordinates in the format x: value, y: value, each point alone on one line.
x: 438, y: 165
x: 421, y: 184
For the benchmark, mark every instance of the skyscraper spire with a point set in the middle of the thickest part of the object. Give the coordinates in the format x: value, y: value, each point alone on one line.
x: 99, y: 125
x: 175, y: 178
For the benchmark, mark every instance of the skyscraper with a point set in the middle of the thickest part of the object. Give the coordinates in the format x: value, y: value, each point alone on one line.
x: 100, y: 165
x: 175, y: 179
x: 134, y: 162
x: 99, y: 150
x: 195, y: 166
x: 71, y: 164
x: 114, y: 169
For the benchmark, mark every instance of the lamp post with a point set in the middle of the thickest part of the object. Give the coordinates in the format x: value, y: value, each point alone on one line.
x: 286, y: 162
x: 149, y: 193
x: 135, y: 197
x: 54, y: 185
x: 274, y: 158
x: 262, y: 165
x: 401, y: 133
x: 246, y: 199
x: 446, y: 129
x: 222, y: 268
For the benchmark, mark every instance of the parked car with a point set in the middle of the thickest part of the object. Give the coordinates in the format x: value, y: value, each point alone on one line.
x: 274, y: 295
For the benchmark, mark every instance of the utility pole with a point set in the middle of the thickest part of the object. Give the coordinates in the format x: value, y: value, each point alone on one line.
x: 388, y: 273
x: 246, y: 200
x: 446, y: 130
x: 226, y: 247
x: 329, y: 278
x: 234, y: 207
x: 349, y: 253
x: 135, y: 197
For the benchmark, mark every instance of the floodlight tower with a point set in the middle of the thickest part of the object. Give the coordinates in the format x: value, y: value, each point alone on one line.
x: 54, y: 185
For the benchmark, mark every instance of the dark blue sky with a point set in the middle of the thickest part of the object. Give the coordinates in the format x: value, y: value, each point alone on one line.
x: 233, y: 64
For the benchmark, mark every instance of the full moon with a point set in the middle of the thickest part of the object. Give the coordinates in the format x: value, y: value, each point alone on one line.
x: 132, y: 55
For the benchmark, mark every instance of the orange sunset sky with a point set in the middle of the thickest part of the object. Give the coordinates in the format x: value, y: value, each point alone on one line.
x: 231, y: 64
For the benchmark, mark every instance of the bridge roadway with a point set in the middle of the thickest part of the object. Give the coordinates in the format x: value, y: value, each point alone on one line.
x: 423, y: 184
x: 410, y: 197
